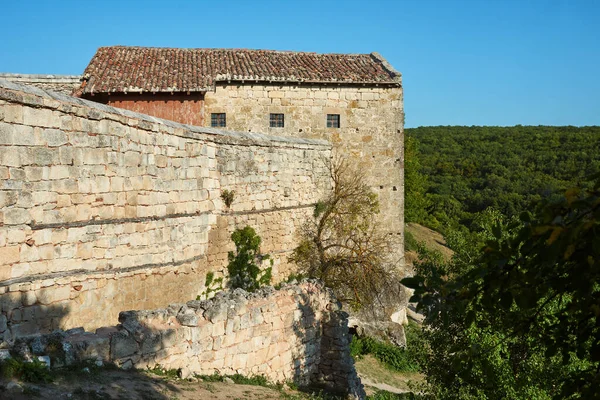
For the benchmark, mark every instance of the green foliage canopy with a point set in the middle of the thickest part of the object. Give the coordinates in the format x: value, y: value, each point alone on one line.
x: 522, y: 319
x: 454, y: 172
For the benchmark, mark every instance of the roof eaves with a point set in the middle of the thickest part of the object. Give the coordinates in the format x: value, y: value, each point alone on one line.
x: 275, y: 79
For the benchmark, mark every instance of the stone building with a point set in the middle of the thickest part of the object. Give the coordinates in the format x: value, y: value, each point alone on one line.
x: 354, y: 101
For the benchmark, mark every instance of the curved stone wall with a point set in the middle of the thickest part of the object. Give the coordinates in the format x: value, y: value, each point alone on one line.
x: 104, y: 210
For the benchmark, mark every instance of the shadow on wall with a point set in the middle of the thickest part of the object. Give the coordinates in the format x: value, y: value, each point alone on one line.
x: 326, y: 363
x: 306, y: 354
x: 72, y: 351
x: 21, y: 315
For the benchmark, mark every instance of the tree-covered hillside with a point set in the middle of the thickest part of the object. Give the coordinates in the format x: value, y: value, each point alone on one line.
x: 456, y: 171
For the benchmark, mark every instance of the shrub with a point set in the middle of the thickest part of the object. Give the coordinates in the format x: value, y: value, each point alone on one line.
x: 343, y: 245
x: 243, y: 268
x: 393, y: 357
x: 27, y: 371
x: 227, y: 196
x: 211, y: 285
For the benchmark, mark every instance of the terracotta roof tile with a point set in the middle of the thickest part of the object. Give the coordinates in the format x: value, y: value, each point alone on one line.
x: 134, y: 69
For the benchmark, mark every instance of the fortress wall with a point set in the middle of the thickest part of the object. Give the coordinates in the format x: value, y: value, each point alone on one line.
x: 104, y: 210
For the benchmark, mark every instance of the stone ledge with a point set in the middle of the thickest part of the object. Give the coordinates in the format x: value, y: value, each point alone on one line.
x: 42, y: 78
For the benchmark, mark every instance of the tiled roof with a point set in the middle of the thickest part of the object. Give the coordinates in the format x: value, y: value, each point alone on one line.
x: 134, y: 69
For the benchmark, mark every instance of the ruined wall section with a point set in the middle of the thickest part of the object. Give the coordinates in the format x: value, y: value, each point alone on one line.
x: 64, y: 84
x: 371, y: 129
x: 297, y: 334
x: 103, y: 210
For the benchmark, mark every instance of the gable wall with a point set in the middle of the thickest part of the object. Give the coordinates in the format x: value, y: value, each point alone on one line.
x: 179, y: 107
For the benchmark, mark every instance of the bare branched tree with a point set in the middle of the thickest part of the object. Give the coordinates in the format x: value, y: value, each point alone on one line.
x: 344, y: 244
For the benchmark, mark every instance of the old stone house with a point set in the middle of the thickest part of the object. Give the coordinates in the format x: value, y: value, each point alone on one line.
x: 354, y: 101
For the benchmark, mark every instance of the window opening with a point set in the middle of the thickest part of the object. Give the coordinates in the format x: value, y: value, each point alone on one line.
x: 276, y: 120
x: 333, y: 120
x: 218, y: 120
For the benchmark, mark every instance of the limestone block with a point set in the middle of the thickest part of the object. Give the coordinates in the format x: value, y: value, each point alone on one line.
x: 16, y: 216
x: 151, y: 343
x: 13, y: 113
x: 90, y: 347
x: 122, y: 344
x: 52, y: 295
x: 40, y: 117
x: 217, y: 312
x: 54, y: 137
x: 188, y: 318
x: 59, y: 172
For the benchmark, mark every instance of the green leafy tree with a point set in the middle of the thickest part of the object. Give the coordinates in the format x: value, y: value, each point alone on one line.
x: 244, y: 264
x: 522, y: 319
x: 415, y: 184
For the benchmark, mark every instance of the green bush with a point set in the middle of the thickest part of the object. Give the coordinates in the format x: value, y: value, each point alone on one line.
x: 227, y: 196
x: 383, y: 395
x: 243, y: 268
x: 34, y: 371
x: 393, y: 357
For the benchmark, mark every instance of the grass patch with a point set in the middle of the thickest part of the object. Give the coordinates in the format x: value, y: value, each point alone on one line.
x: 409, y: 359
x: 34, y: 371
x: 255, y: 380
x: 391, y: 356
x: 165, y: 373
x: 383, y: 395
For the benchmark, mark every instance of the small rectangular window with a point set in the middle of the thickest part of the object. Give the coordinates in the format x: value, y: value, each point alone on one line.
x: 218, y: 120
x: 276, y: 120
x: 333, y: 120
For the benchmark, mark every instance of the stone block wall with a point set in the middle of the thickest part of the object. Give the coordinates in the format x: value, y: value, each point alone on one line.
x: 371, y: 131
x: 103, y: 209
x: 297, y: 333
x: 65, y: 84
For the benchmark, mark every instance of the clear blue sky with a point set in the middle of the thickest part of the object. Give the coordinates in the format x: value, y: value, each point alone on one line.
x: 486, y: 62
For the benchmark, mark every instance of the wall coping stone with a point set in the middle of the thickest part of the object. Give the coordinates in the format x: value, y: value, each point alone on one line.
x: 50, y: 78
x: 44, y: 98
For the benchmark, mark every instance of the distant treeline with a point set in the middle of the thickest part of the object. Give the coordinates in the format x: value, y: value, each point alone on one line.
x: 454, y: 172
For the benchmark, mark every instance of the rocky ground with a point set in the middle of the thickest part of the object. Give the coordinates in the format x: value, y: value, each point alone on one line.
x: 138, y: 385
x: 115, y: 384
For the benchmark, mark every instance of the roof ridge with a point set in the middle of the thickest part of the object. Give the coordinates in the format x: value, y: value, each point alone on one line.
x: 232, y: 49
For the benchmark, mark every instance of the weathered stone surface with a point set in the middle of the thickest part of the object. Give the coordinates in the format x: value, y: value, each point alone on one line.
x: 291, y: 352
x: 99, y: 203
x: 189, y: 318
x: 65, y: 84
x: 122, y: 344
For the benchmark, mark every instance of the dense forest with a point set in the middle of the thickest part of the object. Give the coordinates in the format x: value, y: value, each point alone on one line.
x: 457, y: 171
x: 516, y: 313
